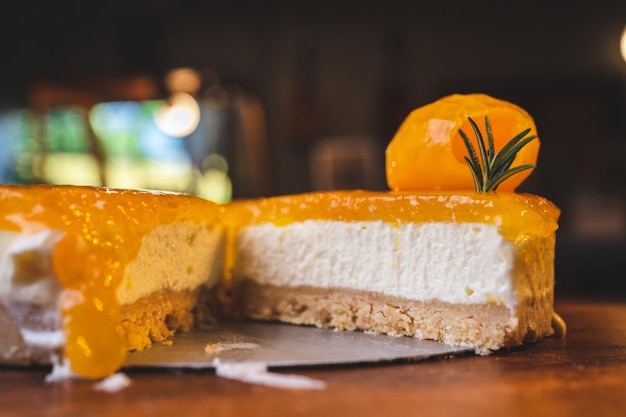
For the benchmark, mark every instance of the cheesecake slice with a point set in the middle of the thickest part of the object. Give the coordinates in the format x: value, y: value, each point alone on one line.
x: 87, y: 274
x: 471, y: 269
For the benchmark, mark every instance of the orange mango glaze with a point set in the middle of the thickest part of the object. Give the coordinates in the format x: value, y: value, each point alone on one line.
x: 102, y: 229
x: 518, y: 215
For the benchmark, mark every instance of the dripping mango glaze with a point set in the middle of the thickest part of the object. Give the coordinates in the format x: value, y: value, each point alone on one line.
x: 103, y: 229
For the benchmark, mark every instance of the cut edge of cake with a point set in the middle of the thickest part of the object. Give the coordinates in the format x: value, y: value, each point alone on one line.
x: 347, y: 286
x: 151, y: 314
x: 171, y: 280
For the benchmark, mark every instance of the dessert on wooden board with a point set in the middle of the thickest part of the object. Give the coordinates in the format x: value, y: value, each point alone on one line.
x: 451, y: 253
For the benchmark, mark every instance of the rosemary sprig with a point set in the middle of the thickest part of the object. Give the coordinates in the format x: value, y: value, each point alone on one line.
x: 493, y: 168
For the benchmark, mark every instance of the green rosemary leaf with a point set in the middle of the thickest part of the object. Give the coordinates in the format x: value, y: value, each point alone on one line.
x: 503, y: 166
x: 496, y: 166
x: 476, y: 175
x: 489, y: 137
x: 472, y: 161
x: 500, y: 179
x: 483, y: 152
x: 507, y: 149
x: 503, y: 163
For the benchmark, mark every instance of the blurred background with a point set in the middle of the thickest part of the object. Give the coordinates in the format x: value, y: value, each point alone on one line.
x: 242, y: 99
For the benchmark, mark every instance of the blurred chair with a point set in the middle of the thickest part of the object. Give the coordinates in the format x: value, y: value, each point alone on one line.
x: 44, y: 96
x: 346, y: 162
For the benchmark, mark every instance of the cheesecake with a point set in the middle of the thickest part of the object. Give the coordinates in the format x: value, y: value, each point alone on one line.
x: 461, y: 268
x: 450, y: 253
x: 88, y: 274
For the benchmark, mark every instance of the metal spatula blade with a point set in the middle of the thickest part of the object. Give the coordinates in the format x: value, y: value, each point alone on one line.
x: 284, y: 345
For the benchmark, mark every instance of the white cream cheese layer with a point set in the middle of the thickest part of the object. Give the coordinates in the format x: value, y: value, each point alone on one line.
x: 457, y: 263
x: 29, y: 289
x: 26, y: 272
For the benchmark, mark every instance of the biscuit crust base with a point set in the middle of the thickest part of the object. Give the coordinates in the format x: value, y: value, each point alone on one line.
x: 149, y: 320
x: 485, y: 327
x: 158, y: 316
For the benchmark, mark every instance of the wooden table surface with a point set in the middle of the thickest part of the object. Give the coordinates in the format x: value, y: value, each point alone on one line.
x: 581, y: 375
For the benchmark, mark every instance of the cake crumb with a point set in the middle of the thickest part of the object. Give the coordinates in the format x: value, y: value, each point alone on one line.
x: 257, y: 373
x: 61, y: 371
x: 213, y: 348
x: 167, y: 342
x: 113, y: 383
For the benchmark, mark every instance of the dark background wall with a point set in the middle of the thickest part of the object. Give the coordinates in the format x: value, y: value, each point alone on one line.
x: 336, y: 68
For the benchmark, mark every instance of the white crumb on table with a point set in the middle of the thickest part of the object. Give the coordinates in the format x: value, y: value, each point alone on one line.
x: 257, y: 373
x: 113, y: 383
x: 61, y: 371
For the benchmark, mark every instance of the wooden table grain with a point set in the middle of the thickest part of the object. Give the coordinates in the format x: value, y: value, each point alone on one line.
x: 581, y: 375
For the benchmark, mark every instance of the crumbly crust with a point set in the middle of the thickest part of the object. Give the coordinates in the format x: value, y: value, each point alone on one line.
x: 149, y: 320
x: 485, y: 327
x: 158, y: 316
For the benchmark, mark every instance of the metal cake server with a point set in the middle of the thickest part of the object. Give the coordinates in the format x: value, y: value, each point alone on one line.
x: 284, y: 345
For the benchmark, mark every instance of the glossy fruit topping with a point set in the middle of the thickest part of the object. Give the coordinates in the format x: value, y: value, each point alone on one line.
x: 427, y: 152
x: 517, y: 214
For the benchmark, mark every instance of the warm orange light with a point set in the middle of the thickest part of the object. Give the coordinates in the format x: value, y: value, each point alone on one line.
x: 623, y: 44
x: 179, y: 117
x: 186, y: 80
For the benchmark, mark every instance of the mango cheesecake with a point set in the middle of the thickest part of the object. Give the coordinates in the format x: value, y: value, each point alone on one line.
x: 442, y: 256
x: 87, y: 274
x: 451, y: 253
